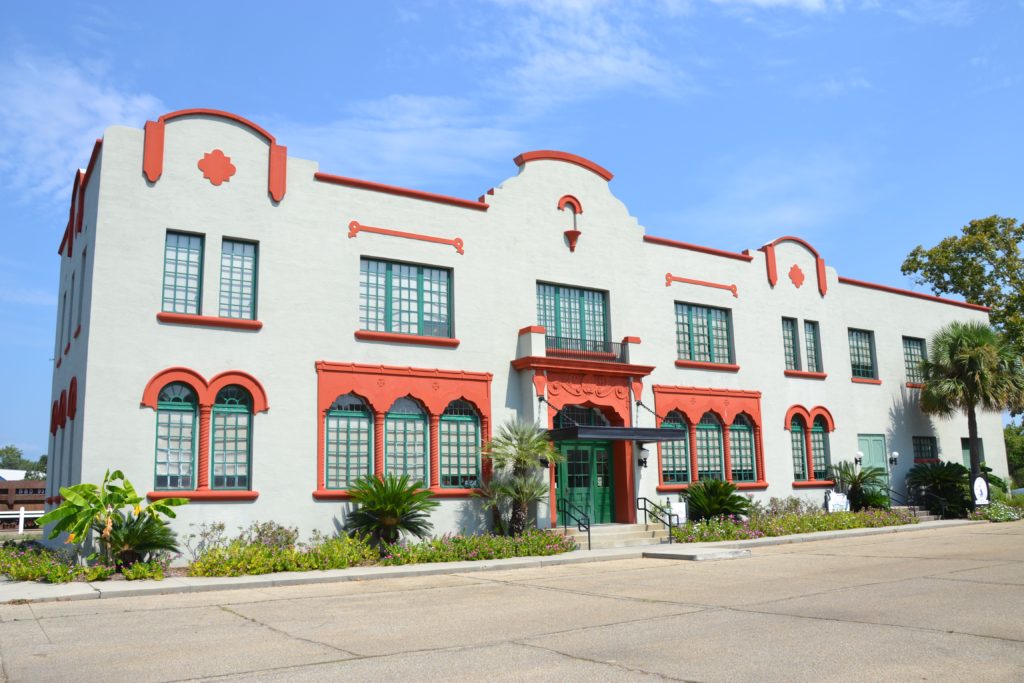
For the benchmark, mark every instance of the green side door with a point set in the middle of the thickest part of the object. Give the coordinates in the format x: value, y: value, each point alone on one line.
x: 873, y: 448
x: 585, y: 479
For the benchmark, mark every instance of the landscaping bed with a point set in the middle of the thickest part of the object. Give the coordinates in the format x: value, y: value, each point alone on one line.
x: 761, y: 525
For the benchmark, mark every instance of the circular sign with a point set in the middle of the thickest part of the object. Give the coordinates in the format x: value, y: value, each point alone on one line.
x: 980, y: 491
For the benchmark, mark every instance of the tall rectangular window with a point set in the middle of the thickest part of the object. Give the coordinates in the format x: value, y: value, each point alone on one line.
x: 404, y: 298
x: 573, y: 313
x: 81, y: 289
x: 183, y: 273
x: 790, y: 344
x: 862, y: 354
x: 796, y: 435
x: 459, y: 446
x: 925, y: 449
x: 175, y: 447
x: 232, y: 427
x: 812, y: 340
x: 238, y: 263
x: 913, y: 354
x: 965, y: 450
x: 703, y: 333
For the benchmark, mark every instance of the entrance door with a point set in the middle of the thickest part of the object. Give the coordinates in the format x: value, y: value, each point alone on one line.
x: 873, y: 448
x: 585, y: 478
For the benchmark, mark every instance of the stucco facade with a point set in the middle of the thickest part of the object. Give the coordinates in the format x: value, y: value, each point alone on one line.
x: 556, y: 221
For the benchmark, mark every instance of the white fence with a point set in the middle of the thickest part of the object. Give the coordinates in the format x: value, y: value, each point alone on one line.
x: 21, y: 514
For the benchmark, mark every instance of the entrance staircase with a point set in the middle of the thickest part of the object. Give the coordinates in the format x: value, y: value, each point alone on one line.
x: 922, y: 514
x: 617, y: 535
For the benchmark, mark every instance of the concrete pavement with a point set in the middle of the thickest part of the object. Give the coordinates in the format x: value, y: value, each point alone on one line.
x: 940, y: 604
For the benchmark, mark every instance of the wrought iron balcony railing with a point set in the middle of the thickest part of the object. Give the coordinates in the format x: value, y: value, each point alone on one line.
x: 586, y: 349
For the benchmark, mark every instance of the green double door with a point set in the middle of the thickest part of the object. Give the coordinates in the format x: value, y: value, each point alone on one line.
x: 873, y: 448
x: 585, y: 478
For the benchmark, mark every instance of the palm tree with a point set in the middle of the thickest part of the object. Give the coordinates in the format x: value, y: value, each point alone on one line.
x: 389, y: 507
x: 863, y: 486
x: 970, y: 365
x: 521, y: 449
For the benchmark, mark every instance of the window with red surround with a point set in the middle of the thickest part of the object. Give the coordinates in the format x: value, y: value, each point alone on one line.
x: 208, y: 321
x: 809, y: 430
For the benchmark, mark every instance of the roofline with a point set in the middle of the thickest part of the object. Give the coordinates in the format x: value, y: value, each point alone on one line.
x: 664, y: 241
x: 552, y: 155
x: 400, y: 191
x: 916, y: 295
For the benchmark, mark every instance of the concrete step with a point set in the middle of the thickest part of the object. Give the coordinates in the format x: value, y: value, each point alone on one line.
x: 647, y: 537
x: 618, y: 535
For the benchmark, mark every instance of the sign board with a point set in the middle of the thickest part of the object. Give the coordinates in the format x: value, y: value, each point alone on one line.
x: 679, y: 508
x: 980, y: 490
x: 838, y: 502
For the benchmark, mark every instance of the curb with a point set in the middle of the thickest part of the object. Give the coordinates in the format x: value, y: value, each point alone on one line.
x: 21, y: 592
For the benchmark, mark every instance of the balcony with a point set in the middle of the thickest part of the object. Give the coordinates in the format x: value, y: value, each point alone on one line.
x: 571, y: 348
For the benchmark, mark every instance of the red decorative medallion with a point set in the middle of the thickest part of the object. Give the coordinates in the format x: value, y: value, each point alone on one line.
x: 796, y: 275
x: 216, y: 167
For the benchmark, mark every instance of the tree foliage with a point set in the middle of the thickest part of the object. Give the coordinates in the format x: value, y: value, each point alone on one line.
x: 13, y: 458
x: 519, y: 453
x: 1013, y: 435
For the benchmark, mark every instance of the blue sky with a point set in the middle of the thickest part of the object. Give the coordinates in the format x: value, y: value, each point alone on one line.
x: 866, y: 127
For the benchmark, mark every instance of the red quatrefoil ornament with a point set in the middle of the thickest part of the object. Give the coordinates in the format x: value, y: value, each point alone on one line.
x: 796, y: 275
x: 216, y: 167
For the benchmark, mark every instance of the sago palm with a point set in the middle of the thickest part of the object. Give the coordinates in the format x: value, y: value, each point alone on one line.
x: 138, y: 538
x: 710, y: 498
x: 948, y: 486
x: 863, y: 487
x: 389, y: 507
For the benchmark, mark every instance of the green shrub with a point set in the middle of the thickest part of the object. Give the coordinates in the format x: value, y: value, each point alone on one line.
x: 143, y: 570
x: 241, y: 557
x: 531, y: 543
x: 997, y: 512
x: 389, y: 507
x: 270, y: 534
x: 139, y: 538
x: 787, y: 523
x: 99, y: 572
x: 864, y: 487
x: 711, y: 498
x: 31, y: 562
x: 945, y: 485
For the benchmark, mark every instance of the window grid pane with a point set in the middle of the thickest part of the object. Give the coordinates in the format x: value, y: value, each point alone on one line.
x: 546, y: 309
x: 812, y: 340
x: 183, y: 266
x: 925, y: 448
x: 790, y: 345
x: 709, y: 449
x: 435, y: 303
x: 405, y: 447
x: 862, y: 354
x: 703, y: 334
x: 175, y: 440
x: 238, y: 280
x: 913, y: 354
x: 675, y: 455
x: 819, y: 450
x: 573, y: 313
x: 459, y: 450
x: 404, y: 299
x: 231, y: 437
x: 593, y: 316
x: 348, y: 447
x: 373, y: 282
x: 796, y: 433
x: 741, y: 453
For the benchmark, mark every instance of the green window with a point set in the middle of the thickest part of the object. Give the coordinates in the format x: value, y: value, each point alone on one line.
x: 572, y: 313
x: 812, y: 340
x: 579, y: 416
x: 405, y: 441
x: 796, y: 435
x: 965, y: 451
x: 790, y: 344
x: 175, y: 437
x: 709, y: 448
x: 404, y: 299
x: 238, y: 280
x: 741, y: 450
x: 862, y: 354
x: 459, y: 437
x: 232, y: 439
x: 819, y: 449
x: 349, y: 442
x: 183, y: 273
x: 675, y: 455
x: 913, y: 355
x: 925, y: 449
x: 703, y: 333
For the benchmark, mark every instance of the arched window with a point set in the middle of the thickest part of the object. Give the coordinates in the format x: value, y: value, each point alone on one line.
x: 459, y: 441
x: 675, y: 455
x: 796, y: 433
x: 232, y: 439
x: 349, y: 442
x: 709, y: 448
x: 579, y: 416
x: 175, y: 437
x: 819, y: 448
x: 742, y: 453
x: 405, y: 441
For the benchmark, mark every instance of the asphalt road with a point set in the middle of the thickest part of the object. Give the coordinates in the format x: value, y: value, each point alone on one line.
x: 937, y: 605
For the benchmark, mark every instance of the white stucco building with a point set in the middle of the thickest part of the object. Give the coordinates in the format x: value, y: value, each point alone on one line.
x: 238, y: 328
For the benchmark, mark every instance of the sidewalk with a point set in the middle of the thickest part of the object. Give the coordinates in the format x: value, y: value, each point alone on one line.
x: 25, y: 591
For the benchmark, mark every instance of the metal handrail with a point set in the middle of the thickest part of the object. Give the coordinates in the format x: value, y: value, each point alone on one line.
x: 582, y: 520
x: 920, y: 494
x: 587, y: 349
x: 646, y: 504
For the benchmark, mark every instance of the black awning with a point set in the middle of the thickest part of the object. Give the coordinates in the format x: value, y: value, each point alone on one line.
x: 642, y: 434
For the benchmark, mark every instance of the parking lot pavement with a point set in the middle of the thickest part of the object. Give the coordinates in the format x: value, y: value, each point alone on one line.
x: 942, y: 604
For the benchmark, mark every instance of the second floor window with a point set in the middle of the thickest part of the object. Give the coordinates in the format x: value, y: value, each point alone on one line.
x: 703, y: 333
x: 572, y: 313
x: 812, y: 341
x: 238, y: 280
x: 183, y: 273
x: 809, y: 353
x: 404, y: 299
x: 913, y: 354
x: 790, y: 344
x: 862, y: 354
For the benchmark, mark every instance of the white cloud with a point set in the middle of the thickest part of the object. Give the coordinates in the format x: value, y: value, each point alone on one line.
x: 27, y: 296
x: 835, y: 86
x: 944, y: 12
x: 51, y: 111
x: 804, y: 5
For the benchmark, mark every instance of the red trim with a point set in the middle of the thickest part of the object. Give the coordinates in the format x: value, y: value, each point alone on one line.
x: 865, y: 380
x: 804, y: 374
x: 918, y: 461
x: 671, y: 488
x: 217, y: 113
x: 631, y: 340
x: 701, y: 365
x: 54, y: 418
x: 67, y: 348
x: 278, y: 171
x: 916, y: 295
x: 354, y: 228
x: 551, y: 155
x: 809, y: 416
x: 569, y: 365
x: 570, y: 201
x: 670, y: 278
x: 400, y: 191
x: 73, y: 398
x: 814, y: 484
x: 773, y: 274
x: 59, y: 360
x: 62, y: 409
x: 694, y: 247
x: 751, y: 485
x: 208, y: 495
x: 533, y: 329
x: 915, y: 385
x: 206, y: 392
x: 208, y: 321
x: 78, y: 331
x: 367, y: 335
x: 435, y: 492
x: 573, y: 236
x: 606, y: 355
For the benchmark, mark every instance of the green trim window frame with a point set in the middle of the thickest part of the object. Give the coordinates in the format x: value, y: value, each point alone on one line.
x: 965, y: 450
x: 573, y: 313
x: 796, y: 434
x: 183, y: 273
x: 238, y: 272
x: 790, y: 343
x: 862, y: 354
x: 405, y: 441
x: 710, y: 453
x: 742, y: 450
x: 703, y: 333
x: 231, y: 436
x: 812, y: 340
x: 926, y: 448
x: 820, y: 456
x: 348, y: 442
x: 675, y: 455
x: 404, y: 298
x: 176, y: 433
x: 459, y: 446
x: 913, y: 355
